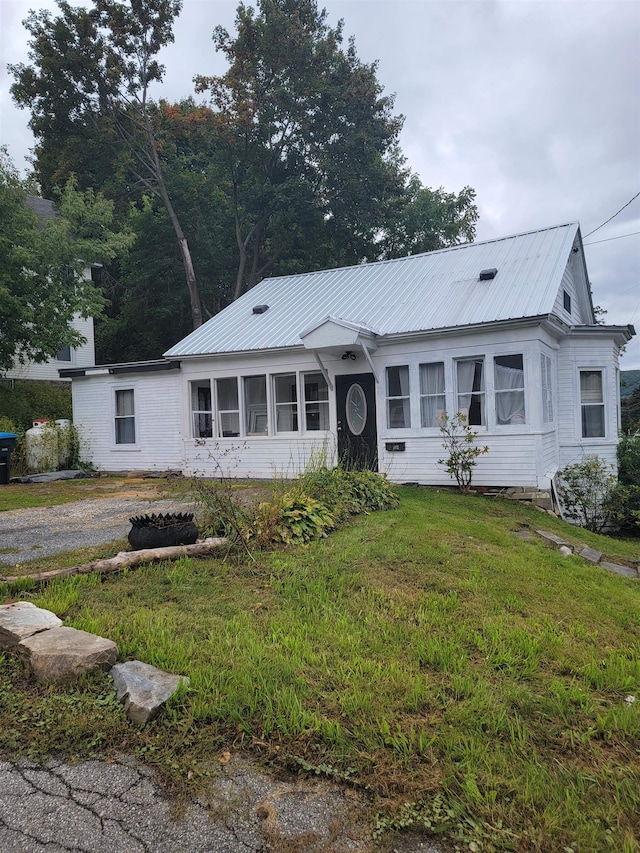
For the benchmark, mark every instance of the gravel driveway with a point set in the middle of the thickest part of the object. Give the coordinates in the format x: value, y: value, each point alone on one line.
x: 26, y: 534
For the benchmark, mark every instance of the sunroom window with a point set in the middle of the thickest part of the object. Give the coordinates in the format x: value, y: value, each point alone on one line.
x: 201, y: 411
x: 228, y: 408
x: 592, y: 403
x: 255, y: 405
x: 471, y: 390
x: 125, y: 420
x: 286, y: 401
x: 432, y: 398
x: 316, y: 402
x: 398, y: 398
x: 509, y: 389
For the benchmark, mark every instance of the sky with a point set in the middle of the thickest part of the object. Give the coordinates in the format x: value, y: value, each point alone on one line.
x: 534, y: 103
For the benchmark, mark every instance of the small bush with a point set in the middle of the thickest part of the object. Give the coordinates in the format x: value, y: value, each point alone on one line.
x: 628, y: 453
x: 458, y: 440
x: 623, y: 507
x: 585, y: 491
x: 293, y: 519
x: 347, y: 493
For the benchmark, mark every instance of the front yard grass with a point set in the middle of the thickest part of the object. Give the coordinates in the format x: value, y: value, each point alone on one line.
x: 472, y: 682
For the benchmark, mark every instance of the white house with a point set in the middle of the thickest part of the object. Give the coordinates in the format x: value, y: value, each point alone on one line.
x: 67, y: 356
x: 359, y: 363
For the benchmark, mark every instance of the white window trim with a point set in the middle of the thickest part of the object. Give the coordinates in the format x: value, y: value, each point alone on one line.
x: 492, y: 394
x: 302, y: 413
x: 125, y: 448
x: 395, y: 431
x: 271, y: 388
x: 218, y: 412
x: 192, y: 411
x: 487, y: 394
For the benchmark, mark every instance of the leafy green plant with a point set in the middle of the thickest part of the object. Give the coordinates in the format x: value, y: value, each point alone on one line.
x: 623, y: 506
x: 458, y: 440
x: 628, y: 454
x: 585, y: 490
x: 292, y: 519
x: 347, y: 493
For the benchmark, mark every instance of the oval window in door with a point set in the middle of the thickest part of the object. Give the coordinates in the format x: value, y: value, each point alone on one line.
x: 356, y: 409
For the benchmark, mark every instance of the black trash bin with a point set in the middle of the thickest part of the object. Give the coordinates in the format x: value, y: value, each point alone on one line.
x: 7, y: 441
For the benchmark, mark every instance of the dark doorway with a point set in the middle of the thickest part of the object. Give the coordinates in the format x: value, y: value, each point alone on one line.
x: 356, y: 410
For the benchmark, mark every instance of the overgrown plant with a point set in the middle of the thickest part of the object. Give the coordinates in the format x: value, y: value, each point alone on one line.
x: 458, y: 440
x: 292, y: 519
x: 585, y: 491
x: 347, y: 493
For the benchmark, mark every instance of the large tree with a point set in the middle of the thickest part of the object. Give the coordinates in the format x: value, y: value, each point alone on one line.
x: 88, y: 91
x: 309, y: 138
x: 41, y: 267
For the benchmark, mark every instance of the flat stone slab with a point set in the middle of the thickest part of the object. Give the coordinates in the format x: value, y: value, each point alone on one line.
x: 143, y: 689
x: 61, y: 654
x: 527, y: 535
x: 590, y: 554
x: 551, y: 537
x: 23, y: 619
x: 627, y: 571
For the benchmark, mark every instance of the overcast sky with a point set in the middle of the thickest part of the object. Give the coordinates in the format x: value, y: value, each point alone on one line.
x: 535, y: 103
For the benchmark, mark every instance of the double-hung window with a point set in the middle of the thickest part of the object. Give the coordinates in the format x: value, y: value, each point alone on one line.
x: 201, y: 411
x: 508, y: 387
x: 125, y: 418
x: 316, y: 402
x: 592, y: 403
x: 432, y: 398
x: 255, y: 405
x: 286, y: 402
x: 471, y: 390
x: 228, y: 408
x: 398, y: 398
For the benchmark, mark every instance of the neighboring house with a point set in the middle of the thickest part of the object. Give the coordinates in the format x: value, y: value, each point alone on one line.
x: 359, y: 363
x: 67, y: 356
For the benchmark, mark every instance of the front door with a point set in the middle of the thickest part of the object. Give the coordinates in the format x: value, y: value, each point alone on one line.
x: 356, y: 410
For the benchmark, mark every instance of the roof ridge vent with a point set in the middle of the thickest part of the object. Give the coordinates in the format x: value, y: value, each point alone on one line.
x: 487, y: 275
x: 260, y: 309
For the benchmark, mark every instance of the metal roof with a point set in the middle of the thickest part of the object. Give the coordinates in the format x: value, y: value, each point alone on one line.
x: 436, y: 290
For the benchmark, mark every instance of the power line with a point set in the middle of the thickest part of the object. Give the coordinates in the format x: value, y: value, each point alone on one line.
x: 612, y: 217
x: 608, y: 239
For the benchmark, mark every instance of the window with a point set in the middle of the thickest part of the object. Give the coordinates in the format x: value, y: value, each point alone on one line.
x: 546, y: 386
x: 566, y: 301
x: 509, y: 389
x: 592, y: 403
x: 228, y: 408
x: 286, y: 398
x: 202, y: 413
x: 470, y: 374
x: 255, y: 405
x: 316, y: 402
x: 125, y: 421
x: 398, y: 399
x: 432, y: 399
x: 64, y: 353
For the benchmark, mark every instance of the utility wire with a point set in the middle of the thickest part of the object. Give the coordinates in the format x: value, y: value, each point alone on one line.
x: 612, y: 217
x: 608, y: 239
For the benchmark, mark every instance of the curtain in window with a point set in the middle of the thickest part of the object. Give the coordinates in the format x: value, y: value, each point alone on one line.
x: 432, y: 399
x: 509, y: 389
x: 125, y: 417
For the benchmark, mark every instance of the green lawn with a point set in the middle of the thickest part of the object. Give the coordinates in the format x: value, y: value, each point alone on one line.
x: 425, y: 654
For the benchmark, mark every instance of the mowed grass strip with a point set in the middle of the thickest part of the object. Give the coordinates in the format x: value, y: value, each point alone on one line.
x: 426, y: 653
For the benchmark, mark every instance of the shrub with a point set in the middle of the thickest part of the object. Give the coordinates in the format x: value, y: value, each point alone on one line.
x: 623, y: 507
x: 458, y: 439
x: 585, y: 491
x: 628, y: 453
x: 292, y: 519
x: 347, y: 493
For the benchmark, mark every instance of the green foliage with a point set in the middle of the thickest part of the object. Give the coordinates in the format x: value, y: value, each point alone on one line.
x: 24, y: 400
x: 629, y: 382
x: 293, y: 519
x: 628, y: 454
x: 585, y: 489
x: 623, y: 506
x: 347, y: 493
x: 42, y: 263
x: 458, y: 440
